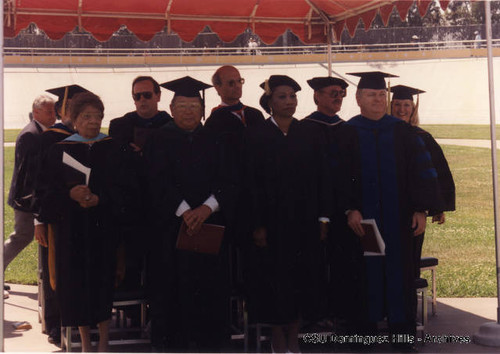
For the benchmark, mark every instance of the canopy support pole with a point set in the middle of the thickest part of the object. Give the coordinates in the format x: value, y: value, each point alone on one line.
x: 329, y: 47
x: 2, y: 278
x: 489, y: 333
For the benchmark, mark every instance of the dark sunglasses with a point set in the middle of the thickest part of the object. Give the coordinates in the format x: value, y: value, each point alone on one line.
x: 147, y: 95
x: 335, y: 93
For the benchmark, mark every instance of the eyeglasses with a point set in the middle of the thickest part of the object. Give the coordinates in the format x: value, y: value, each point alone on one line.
x: 89, y: 116
x: 232, y: 83
x: 335, y: 93
x: 147, y: 95
x: 186, y: 106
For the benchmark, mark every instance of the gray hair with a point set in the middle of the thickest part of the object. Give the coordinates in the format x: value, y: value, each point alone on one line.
x: 41, y: 101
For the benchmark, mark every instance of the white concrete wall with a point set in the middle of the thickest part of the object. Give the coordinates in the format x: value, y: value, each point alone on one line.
x: 457, y: 89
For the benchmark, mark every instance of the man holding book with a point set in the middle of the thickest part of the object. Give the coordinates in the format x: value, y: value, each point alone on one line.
x: 387, y: 176
x: 190, y: 187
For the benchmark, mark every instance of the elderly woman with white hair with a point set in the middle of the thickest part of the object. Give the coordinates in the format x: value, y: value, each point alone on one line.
x: 86, y: 195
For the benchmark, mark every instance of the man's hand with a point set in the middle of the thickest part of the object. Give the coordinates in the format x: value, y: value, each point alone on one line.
x: 135, y: 147
x: 354, y: 218
x: 323, y: 230
x: 439, y: 218
x: 418, y: 223
x: 41, y: 234
x: 196, y: 217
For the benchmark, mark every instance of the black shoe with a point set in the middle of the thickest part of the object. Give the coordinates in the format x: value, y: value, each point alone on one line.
x: 55, y: 336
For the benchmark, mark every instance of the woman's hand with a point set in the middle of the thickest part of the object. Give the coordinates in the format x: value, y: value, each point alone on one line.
x: 439, y: 218
x: 84, y: 196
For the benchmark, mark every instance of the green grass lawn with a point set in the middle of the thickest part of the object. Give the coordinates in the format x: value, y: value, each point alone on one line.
x: 10, y: 135
x: 24, y: 267
x: 450, y: 131
x: 465, y: 244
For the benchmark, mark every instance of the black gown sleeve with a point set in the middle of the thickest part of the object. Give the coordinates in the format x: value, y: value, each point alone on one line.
x: 445, y: 178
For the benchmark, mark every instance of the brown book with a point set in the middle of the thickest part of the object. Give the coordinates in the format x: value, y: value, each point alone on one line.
x: 372, y: 241
x: 207, y: 240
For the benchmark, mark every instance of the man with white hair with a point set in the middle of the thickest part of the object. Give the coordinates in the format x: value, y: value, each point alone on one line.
x: 23, y: 178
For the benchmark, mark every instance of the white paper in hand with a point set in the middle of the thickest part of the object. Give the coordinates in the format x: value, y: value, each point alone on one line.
x: 72, y: 162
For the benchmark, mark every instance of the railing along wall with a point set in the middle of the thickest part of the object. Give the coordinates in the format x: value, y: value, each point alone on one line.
x: 260, y: 55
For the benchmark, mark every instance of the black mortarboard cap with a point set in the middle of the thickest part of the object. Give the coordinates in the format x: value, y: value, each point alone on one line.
x: 402, y: 92
x: 186, y: 86
x: 66, y: 92
x: 317, y: 83
x: 372, y: 79
x: 280, y: 80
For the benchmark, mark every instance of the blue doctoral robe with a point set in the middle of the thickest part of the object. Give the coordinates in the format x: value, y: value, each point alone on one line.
x: 388, y: 175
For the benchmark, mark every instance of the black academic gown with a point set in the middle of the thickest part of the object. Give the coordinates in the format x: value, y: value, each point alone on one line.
x: 223, y: 120
x: 387, y: 176
x: 287, y: 190
x: 445, y: 178
x: 51, y: 136
x: 131, y: 128
x: 329, y: 123
x: 229, y: 129
x: 343, y: 254
x: 228, y: 125
x: 446, y: 187
x: 56, y: 133
x: 190, y: 300
x: 126, y: 129
x: 85, y: 238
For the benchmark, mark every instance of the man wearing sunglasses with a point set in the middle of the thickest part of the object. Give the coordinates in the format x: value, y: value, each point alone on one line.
x: 134, y: 128
x: 329, y: 92
x: 132, y: 131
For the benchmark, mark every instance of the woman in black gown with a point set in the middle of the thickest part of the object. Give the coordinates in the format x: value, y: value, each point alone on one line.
x: 404, y: 108
x: 85, y: 194
x: 287, y: 194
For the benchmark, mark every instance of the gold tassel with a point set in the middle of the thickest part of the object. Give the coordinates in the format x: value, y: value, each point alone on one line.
x: 51, y: 240
x: 63, y: 108
x: 267, y: 89
x: 389, y: 97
